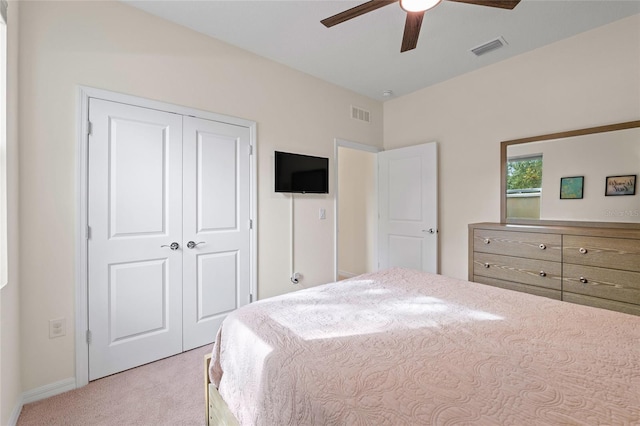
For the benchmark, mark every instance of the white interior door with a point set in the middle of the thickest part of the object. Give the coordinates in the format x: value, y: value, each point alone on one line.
x: 216, y: 226
x: 134, y: 215
x: 408, y: 207
x: 157, y: 179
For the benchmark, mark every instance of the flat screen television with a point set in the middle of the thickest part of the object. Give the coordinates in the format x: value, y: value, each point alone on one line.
x: 301, y: 173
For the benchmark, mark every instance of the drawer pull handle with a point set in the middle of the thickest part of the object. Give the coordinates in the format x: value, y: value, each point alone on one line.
x: 543, y: 274
x: 542, y: 246
x: 486, y: 265
x: 583, y: 280
x: 487, y: 241
x: 583, y: 250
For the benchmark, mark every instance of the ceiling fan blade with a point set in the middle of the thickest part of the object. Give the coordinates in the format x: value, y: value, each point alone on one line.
x: 411, y: 30
x: 354, y: 12
x: 503, y: 4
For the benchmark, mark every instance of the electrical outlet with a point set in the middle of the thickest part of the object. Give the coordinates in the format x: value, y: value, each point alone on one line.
x: 57, y: 328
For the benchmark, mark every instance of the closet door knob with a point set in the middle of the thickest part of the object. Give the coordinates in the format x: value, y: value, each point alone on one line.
x: 486, y: 265
x: 487, y: 241
x: 583, y: 280
x: 172, y: 246
x: 543, y: 274
x: 583, y: 250
x: 193, y: 244
x: 542, y: 246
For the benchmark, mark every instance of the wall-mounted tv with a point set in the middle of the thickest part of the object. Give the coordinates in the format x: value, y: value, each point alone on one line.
x: 301, y: 173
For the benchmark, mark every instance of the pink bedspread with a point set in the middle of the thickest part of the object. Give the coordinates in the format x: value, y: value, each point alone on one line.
x: 402, y: 347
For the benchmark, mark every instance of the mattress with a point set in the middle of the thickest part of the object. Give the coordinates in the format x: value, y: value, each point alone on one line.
x: 403, y: 347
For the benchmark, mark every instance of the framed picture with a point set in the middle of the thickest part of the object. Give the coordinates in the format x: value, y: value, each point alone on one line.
x: 571, y: 188
x: 621, y: 185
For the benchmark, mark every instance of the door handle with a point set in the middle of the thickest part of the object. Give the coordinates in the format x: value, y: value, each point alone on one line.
x: 430, y: 230
x: 172, y: 246
x: 192, y: 244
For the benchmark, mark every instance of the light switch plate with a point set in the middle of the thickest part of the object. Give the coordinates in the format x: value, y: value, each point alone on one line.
x: 57, y: 328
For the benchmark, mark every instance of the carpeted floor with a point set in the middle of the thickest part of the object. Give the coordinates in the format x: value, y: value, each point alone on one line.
x: 166, y: 392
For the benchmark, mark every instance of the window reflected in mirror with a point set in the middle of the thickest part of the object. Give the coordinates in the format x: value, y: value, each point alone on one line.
x: 524, y: 186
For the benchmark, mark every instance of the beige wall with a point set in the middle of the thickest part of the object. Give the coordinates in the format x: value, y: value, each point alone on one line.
x: 111, y: 46
x: 588, y: 80
x: 357, y: 212
x: 10, y: 386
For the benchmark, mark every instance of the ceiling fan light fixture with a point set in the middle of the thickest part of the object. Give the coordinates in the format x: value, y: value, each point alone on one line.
x: 418, y: 5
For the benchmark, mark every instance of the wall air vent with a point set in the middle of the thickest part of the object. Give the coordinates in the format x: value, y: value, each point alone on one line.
x: 489, y: 46
x: 360, y: 114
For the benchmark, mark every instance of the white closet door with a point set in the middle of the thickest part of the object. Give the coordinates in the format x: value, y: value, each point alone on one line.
x: 216, y: 219
x: 135, y: 208
x: 408, y: 207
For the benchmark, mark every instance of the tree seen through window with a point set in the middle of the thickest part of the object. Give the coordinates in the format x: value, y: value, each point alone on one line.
x: 524, y: 174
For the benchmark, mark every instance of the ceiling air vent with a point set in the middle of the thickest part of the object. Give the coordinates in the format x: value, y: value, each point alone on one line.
x: 489, y: 46
x: 360, y: 114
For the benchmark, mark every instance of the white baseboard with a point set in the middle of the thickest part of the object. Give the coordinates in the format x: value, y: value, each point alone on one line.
x: 49, y: 390
x: 13, y: 420
x: 37, y: 394
x: 347, y: 274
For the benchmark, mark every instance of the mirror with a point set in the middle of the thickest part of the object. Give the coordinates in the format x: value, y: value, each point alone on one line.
x: 586, y: 176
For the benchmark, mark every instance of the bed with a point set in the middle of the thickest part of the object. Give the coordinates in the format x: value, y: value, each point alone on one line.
x: 403, y: 347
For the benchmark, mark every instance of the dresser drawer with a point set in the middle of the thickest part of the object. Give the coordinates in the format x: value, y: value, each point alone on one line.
x: 612, y: 284
x: 521, y: 244
x: 523, y: 288
x: 581, y: 299
x: 613, y: 253
x: 606, y: 258
x: 540, y: 273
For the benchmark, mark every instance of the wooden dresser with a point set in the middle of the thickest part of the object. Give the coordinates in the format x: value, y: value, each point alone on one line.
x: 586, y: 265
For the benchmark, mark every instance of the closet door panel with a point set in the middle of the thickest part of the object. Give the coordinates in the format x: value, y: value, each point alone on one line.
x: 216, y: 222
x: 135, y: 213
x: 217, y: 182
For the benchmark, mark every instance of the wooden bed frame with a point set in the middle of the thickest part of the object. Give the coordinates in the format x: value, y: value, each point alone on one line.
x: 217, y: 412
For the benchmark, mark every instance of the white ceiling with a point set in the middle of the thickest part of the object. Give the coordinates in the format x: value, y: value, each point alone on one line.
x: 363, y: 54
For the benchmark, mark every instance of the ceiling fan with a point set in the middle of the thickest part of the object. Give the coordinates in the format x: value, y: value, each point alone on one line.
x: 415, y: 12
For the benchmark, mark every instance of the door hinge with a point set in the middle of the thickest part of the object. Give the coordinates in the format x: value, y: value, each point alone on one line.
x: 250, y: 298
x: 250, y: 149
x: 89, y: 128
x: 88, y: 336
x: 250, y: 223
x: 88, y: 232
